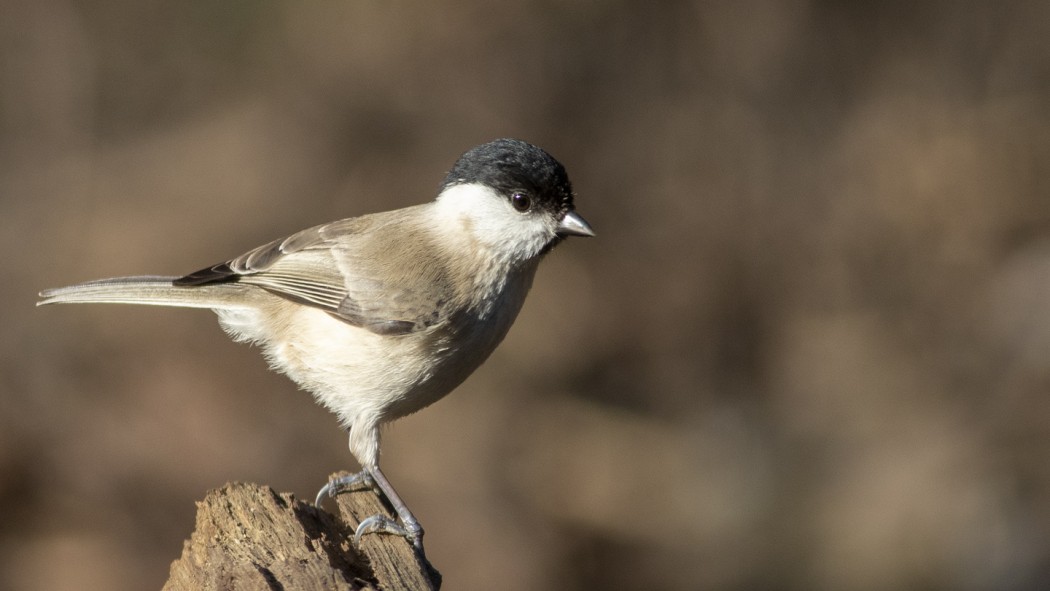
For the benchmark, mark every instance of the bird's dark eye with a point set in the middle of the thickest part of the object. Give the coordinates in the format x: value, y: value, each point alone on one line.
x: 521, y: 202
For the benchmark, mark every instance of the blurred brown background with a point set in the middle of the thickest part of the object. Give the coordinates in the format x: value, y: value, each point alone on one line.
x: 810, y: 348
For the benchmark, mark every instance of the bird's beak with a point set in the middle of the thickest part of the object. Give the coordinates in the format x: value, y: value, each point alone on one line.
x: 573, y: 225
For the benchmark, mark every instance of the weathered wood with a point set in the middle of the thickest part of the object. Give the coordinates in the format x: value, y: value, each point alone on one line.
x: 251, y: 537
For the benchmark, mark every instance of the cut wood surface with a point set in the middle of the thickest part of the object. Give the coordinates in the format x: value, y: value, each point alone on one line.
x: 251, y: 537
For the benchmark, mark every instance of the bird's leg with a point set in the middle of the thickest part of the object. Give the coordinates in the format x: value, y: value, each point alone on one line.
x: 409, y: 524
x: 367, y: 478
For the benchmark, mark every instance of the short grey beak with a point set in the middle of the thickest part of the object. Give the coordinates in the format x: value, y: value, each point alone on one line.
x: 574, y: 225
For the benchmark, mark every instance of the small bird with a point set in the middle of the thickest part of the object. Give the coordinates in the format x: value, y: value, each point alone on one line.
x: 381, y: 315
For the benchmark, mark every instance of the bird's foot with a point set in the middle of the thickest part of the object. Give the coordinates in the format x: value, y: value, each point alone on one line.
x: 408, y: 527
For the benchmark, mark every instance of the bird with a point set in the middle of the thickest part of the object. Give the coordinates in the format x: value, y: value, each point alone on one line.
x: 381, y: 315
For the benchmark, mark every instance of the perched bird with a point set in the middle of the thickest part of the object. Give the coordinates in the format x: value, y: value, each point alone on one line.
x: 381, y: 315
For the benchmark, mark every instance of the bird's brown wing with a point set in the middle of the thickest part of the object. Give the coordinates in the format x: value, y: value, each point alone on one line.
x: 377, y: 272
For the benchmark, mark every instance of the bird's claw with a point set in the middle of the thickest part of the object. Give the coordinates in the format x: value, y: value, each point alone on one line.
x: 336, y: 486
x: 381, y: 524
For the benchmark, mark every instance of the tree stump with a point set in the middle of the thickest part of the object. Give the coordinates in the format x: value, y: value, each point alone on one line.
x: 251, y: 537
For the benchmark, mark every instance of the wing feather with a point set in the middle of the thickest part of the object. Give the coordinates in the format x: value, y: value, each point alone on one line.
x: 344, y: 269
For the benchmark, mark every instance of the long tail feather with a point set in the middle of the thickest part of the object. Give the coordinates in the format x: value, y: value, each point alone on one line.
x: 147, y: 290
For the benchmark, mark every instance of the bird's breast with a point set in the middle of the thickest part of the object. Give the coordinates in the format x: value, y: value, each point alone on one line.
x: 355, y: 372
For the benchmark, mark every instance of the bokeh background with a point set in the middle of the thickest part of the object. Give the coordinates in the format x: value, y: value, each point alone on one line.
x: 809, y: 349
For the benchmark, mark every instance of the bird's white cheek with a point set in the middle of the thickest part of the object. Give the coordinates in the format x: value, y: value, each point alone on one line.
x: 479, y: 217
x: 513, y: 236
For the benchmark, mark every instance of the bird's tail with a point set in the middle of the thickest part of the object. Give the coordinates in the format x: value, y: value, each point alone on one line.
x: 149, y: 290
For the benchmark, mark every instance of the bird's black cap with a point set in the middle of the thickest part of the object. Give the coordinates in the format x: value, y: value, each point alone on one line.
x: 510, y: 166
